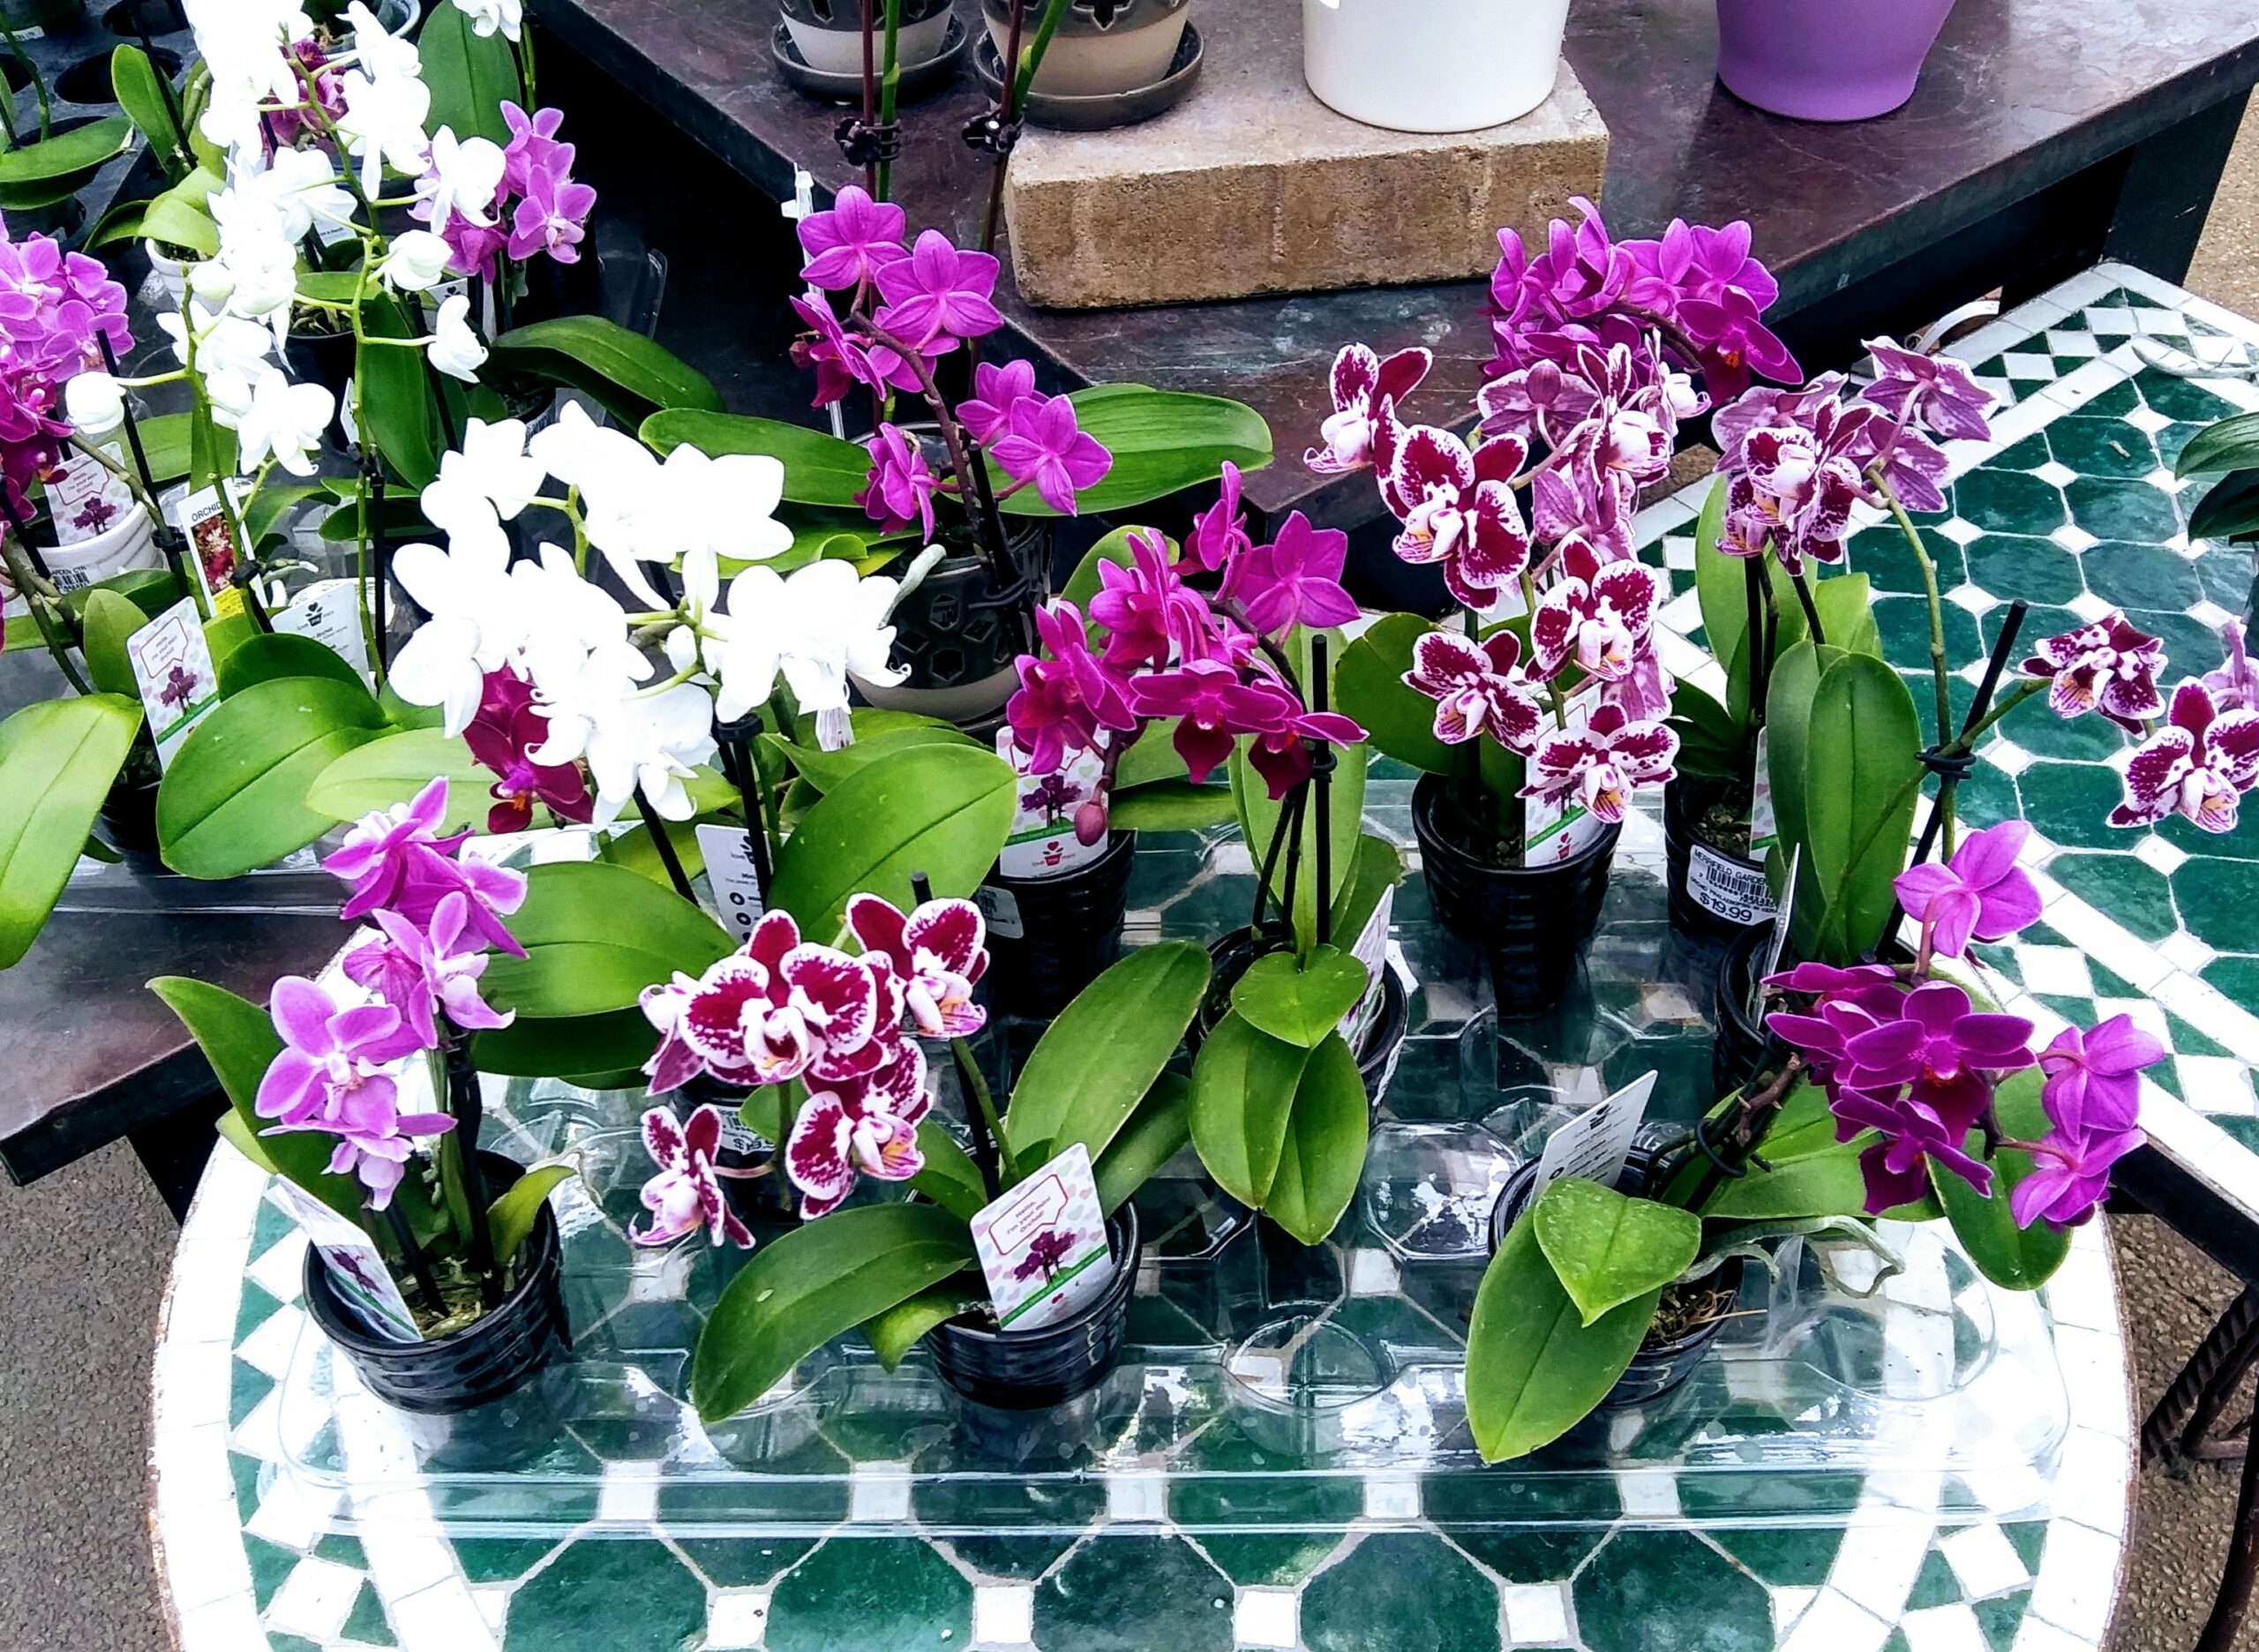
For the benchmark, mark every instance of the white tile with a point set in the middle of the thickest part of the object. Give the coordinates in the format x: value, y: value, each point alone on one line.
x: 1266, y: 1617
x: 2148, y: 420
x: 230, y: 1625
x: 2078, y: 1579
x: 2072, y: 341
x: 2086, y: 604
x: 2055, y: 472
x: 1973, y: 598
x: 1885, y: 1551
x: 494, y: 1602
x: 1943, y: 1629
x: 2093, y: 1480
x: 2008, y: 757
x: 736, y: 1618
x: 295, y: 1511
x: 1391, y: 1497
x: 2185, y: 952
x: 2103, y: 937
x: 1537, y: 1614
x: 629, y: 1495
x: 2024, y: 364
x: 281, y: 1271
x: 2059, y: 972
x: 2216, y: 1084
x: 1983, y: 1560
x: 1137, y: 1495
x: 2156, y: 853
x: 1960, y: 530
x: 2210, y: 614
x: 1372, y: 1273
x: 2143, y: 1012
x: 445, y: 1614
x: 1648, y: 1496
x: 314, y: 1600
x: 271, y: 1345
x: 2035, y: 1634
x: 203, y: 1554
x: 1788, y: 1603
x: 879, y: 1491
x: 1004, y: 1614
x: 1833, y: 1623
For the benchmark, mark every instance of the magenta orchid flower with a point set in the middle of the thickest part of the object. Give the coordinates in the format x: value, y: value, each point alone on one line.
x: 866, y: 1126
x: 2070, y: 1176
x: 1042, y: 445
x: 1478, y: 689
x: 2094, y: 1078
x: 1980, y: 892
x: 551, y: 215
x: 1938, y: 1047
x: 2108, y: 667
x: 1212, y: 707
x: 842, y: 361
x: 1457, y: 510
x: 686, y: 1193
x: 1150, y: 615
x: 502, y: 737
x: 395, y: 858
x: 1063, y: 701
x: 1366, y: 392
x: 421, y: 971
x: 1896, y: 1168
x: 938, y: 296
x: 1295, y: 580
x: 1811, y: 976
x: 849, y: 245
x: 1281, y: 753
x: 332, y: 1075
x: 996, y: 389
x: 1219, y: 533
x: 2196, y: 766
x: 939, y: 952
x: 901, y: 485
x: 1602, y: 764
x: 772, y: 1011
x: 1936, y: 390
x: 1605, y: 626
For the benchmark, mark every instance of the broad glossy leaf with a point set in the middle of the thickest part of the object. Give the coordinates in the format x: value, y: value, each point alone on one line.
x: 238, y: 1039
x: 175, y: 220
x: 1094, y: 1064
x: 510, y: 1218
x: 1606, y: 1248
x: 825, y: 769
x: 631, y: 376
x: 1161, y: 442
x: 395, y: 769
x: 134, y: 84
x: 105, y: 623
x: 636, y: 850
x: 1720, y: 584
x: 819, y: 468
x: 1243, y: 1083
x: 2016, y: 1259
x: 165, y: 440
x: 1172, y: 805
x: 1825, y: 1182
x: 942, y: 810
x: 234, y: 797
x: 950, y: 1178
x: 1535, y: 1370
x: 1300, y: 1000
x: 395, y: 389
x: 1156, y: 1133
x: 469, y: 75
x: 1322, y: 1154
x: 1861, y: 767
x: 2228, y: 444
x: 1846, y: 608
x: 1795, y: 680
x: 66, y: 155
x: 1398, y: 719
x: 817, y: 1282
x: 595, y: 937
x: 2231, y: 510
x: 275, y: 654
x: 1379, y: 868
x: 617, y: 1040
x: 1152, y: 756
x: 58, y: 759
x: 151, y: 591
x: 895, y: 1332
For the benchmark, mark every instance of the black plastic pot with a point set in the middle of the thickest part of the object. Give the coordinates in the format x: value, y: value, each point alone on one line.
x: 959, y: 633
x: 1025, y: 1370
x: 1659, y: 1366
x: 1730, y: 894
x: 1534, y: 921
x: 1377, y: 1061
x: 486, y: 1360
x: 129, y: 812
x: 1739, y: 1044
x: 322, y: 358
x: 1070, y: 929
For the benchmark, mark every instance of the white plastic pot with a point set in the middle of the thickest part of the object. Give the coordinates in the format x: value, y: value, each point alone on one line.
x: 170, y: 271
x: 128, y: 543
x: 840, y: 51
x: 1432, y: 65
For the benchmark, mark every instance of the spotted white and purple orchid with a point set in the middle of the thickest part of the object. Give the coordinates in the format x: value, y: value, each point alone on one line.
x: 1601, y: 765
x: 2108, y: 667
x: 686, y: 1193
x: 2197, y: 766
x: 1796, y: 485
x: 1605, y: 625
x: 939, y: 952
x: 859, y: 1127
x: 1367, y: 390
x: 1478, y: 688
x: 779, y: 1009
x: 1458, y: 508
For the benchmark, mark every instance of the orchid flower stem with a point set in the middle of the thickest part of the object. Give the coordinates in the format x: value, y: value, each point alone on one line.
x: 525, y: 61
x: 1054, y: 13
x: 1265, y: 884
x: 1811, y: 611
x: 889, y: 84
x: 419, y: 1265
x: 1321, y: 761
x: 469, y: 1108
x: 363, y: 573
x: 1758, y: 658
x: 990, y: 530
x: 788, y: 1109
x: 1747, y: 1123
x: 989, y: 1152
x: 1007, y: 102
x: 1938, y: 673
x: 871, y: 184
x: 37, y: 594
x: 373, y: 247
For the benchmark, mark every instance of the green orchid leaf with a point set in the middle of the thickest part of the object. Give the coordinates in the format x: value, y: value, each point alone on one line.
x: 1824, y: 1182
x: 820, y: 468
x: 151, y: 591
x: 1535, y: 1369
x: 1721, y: 585
x: 105, y: 623
x: 393, y: 768
x: 58, y: 759
x: 825, y: 769
x: 1258, y: 819
x: 1161, y: 442
x: 72, y: 157
x: 944, y: 810
x: 1846, y: 607
x: 134, y: 83
x: 395, y: 387
x: 1156, y: 1133
x: 595, y: 937
x: 818, y: 1282
x: 1243, y: 1083
x: 1379, y: 868
x: 632, y: 376
x: 895, y: 1332
x: 510, y: 1218
x: 1299, y: 1001
x: 1862, y: 781
x: 2231, y: 510
x: 1398, y: 719
x: 2013, y: 1258
x: 950, y: 1178
x: 1322, y: 1155
x: 1172, y: 805
x: 471, y: 75
x: 616, y: 1040
x: 638, y: 851
x: 274, y: 654
x: 2229, y: 444
x: 1094, y: 1064
x: 1607, y: 1248
x: 234, y: 797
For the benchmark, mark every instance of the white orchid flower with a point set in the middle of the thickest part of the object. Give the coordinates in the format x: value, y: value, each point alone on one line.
x: 462, y: 178
x: 474, y: 627
x: 282, y: 419
x: 384, y: 122
x: 378, y: 50
x: 487, y: 16
x: 621, y: 508
x: 417, y: 261
x: 455, y: 350
x: 818, y: 627
x: 300, y: 186
x: 725, y: 507
x: 490, y: 475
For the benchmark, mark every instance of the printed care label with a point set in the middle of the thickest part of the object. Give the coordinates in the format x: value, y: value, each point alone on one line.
x: 1725, y: 888
x: 1043, y: 1247
x: 172, y: 664
x: 207, y: 525
x: 730, y: 873
x: 85, y: 498
x: 329, y: 611
x: 1043, y: 843
x: 1593, y: 1145
x: 357, y: 1267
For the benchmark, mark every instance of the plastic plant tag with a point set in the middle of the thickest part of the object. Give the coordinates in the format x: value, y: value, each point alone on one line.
x: 172, y: 664
x: 1594, y: 1145
x: 85, y: 498
x: 209, y: 528
x: 1043, y: 841
x: 329, y: 612
x: 1043, y: 1246
x: 1726, y: 888
x: 1764, y: 826
x: 736, y: 897
x: 357, y: 1267
x: 1000, y: 908
x: 1777, y: 942
x: 1372, y: 950
x: 1554, y: 832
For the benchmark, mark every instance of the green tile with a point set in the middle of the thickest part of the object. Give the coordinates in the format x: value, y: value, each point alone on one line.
x: 2136, y: 895
x: 1796, y: 1557
x: 1223, y: 1484
x: 1634, y: 1596
x: 271, y: 1224
x: 2108, y: 983
x: 2103, y: 446
x: 2147, y: 576
x: 2015, y: 565
x: 1407, y: 1591
x: 2184, y: 834
x: 2167, y: 1075
x: 1486, y: 1515
x: 1881, y: 554
x: 247, y: 1386
x: 1935, y: 1585
x: 2009, y: 502
x: 2118, y: 401
x: 2191, y: 647
x: 608, y: 1594
x: 271, y: 1566
x: 499, y: 1559
x: 244, y: 1470
x: 366, y: 1623
x: 2177, y: 398
x: 2030, y: 1540
x: 1904, y: 623
x: 862, y: 1594
x: 2226, y: 575
x: 2028, y: 454
x: 2032, y: 726
x: 2078, y: 1012
x: 346, y: 1551
x: 252, y: 1309
x: 290, y: 1643
x: 2237, y: 977
x: 2219, y: 900
x: 1897, y: 1642
x: 2131, y: 511
x: 1125, y: 1595
x: 2000, y: 1617
x: 2070, y: 804
x: 2188, y: 1040
x: 1986, y: 797
x: 2242, y: 1126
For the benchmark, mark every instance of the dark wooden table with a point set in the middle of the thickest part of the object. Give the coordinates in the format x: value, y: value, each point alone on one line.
x: 2046, y: 134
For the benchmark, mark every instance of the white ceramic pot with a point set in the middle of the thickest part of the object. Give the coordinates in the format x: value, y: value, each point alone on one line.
x: 1091, y: 63
x: 1432, y: 65
x: 840, y: 51
x: 170, y: 272
x: 128, y: 543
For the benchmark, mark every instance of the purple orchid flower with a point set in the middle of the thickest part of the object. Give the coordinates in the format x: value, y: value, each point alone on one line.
x: 1219, y: 533
x: 996, y: 389
x: 1980, y: 892
x: 551, y: 215
x: 938, y: 296
x: 1478, y: 689
x: 395, y: 859
x: 849, y: 245
x: 1935, y: 390
x: 2234, y: 687
x: 1366, y: 392
x: 2094, y: 1078
x: 502, y: 737
x: 1643, y: 693
x: 1063, y: 701
x: 939, y: 952
x: 1736, y: 345
x: 1151, y: 616
x: 1896, y: 1169
x: 1940, y: 1049
x: 2108, y: 667
x: 842, y: 361
x: 331, y: 1077
x: 854, y: 1128
x: 1457, y: 510
x: 686, y: 1193
x: 2197, y: 765
x: 2070, y: 1176
x: 1605, y: 626
x: 901, y: 485
x: 1602, y: 764
x: 1213, y: 706
x: 1811, y: 976
x: 1281, y: 752
x: 1295, y: 580
x: 420, y: 972
x: 1042, y: 445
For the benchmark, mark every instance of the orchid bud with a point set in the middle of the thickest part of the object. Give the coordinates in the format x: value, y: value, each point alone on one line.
x: 96, y: 403
x: 1089, y: 822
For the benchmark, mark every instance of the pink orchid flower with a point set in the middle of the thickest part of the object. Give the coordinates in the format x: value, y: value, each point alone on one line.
x: 1149, y: 613
x: 334, y: 1076
x: 1601, y: 765
x: 1295, y: 580
x: 997, y: 388
x: 849, y: 245
x: 1219, y: 533
x: 938, y: 953
x: 686, y: 1193
x: 2197, y: 765
x: 502, y: 737
x: 1457, y: 510
x: 1366, y: 391
x: 1478, y: 689
x: 1938, y: 390
x: 1212, y: 707
x: 773, y: 1011
x: 2070, y: 1176
x: 419, y: 971
x: 866, y: 1126
x: 1064, y: 700
x: 903, y: 485
x: 2108, y: 667
x: 938, y: 296
x: 1980, y: 892
x: 1041, y: 445
x: 2094, y: 1078
x: 1605, y: 626
x: 395, y: 858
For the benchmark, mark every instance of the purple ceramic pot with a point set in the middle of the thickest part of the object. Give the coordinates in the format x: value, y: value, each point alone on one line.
x: 1826, y: 60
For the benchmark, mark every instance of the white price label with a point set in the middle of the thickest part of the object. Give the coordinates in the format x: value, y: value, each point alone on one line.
x: 730, y: 872
x: 1732, y: 890
x: 1594, y: 1145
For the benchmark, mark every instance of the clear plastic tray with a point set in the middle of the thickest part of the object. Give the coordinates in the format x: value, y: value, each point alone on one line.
x: 1265, y: 1388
